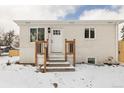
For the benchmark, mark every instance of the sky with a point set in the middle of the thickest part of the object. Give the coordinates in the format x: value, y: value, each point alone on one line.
x: 9, y: 13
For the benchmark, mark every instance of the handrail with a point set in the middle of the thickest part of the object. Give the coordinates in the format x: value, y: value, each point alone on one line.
x: 45, y: 43
x: 67, y: 44
x: 45, y: 55
x: 65, y: 49
x: 74, y: 54
x: 35, y: 53
x: 45, y: 58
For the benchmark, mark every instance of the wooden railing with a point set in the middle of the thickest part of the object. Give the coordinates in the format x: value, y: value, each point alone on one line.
x: 45, y: 58
x: 41, y: 47
x: 70, y: 49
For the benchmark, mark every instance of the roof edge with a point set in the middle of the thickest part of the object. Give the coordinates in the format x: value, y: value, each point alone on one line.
x: 68, y: 21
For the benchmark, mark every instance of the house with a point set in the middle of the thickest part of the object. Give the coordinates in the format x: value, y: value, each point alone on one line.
x: 88, y: 41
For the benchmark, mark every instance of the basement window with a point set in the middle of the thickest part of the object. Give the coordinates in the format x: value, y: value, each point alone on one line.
x: 91, y: 60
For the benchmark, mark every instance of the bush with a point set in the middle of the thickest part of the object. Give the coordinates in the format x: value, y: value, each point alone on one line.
x: 8, y: 63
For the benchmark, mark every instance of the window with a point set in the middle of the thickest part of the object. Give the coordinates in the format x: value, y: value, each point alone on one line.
x: 89, y: 33
x: 40, y: 34
x: 91, y: 60
x: 36, y: 34
x: 56, y: 32
x: 92, y: 33
x: 33, y: 34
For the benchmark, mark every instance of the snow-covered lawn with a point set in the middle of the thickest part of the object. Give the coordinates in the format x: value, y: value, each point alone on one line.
x: 85, y: 75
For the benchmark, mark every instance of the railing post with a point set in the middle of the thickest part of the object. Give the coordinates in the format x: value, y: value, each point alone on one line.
x: 74, y: 52
x: 47, y: 42
x: 36, y: 53
x: 45, y: 59
x: 65, y: 50
x: 47, y: 49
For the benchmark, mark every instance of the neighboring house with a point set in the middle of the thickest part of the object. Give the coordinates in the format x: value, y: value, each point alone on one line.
x: 95, y: 40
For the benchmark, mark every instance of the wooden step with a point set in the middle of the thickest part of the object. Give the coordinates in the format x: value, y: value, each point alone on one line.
x: 58, y: 64
x: 56, y: 55
x: 56, y: 59
x: 59, y: 69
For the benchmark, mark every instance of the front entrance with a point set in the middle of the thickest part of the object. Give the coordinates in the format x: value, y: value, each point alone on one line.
x: 56, y: 41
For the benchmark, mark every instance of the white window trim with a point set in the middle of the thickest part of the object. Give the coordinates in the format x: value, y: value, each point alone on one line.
x: 91, y: 57
x: 37, y: 31
x: 89, y: 33
x: 56, y: 30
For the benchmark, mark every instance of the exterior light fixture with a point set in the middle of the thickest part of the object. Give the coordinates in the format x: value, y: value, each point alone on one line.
x: 48, y: 29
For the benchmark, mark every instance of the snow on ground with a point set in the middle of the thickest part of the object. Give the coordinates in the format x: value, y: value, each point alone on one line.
x: 5, y: 59
x: 85, y: 75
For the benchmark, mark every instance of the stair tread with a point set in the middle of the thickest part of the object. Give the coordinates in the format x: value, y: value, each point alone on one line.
x: 56, y: 59
x: 69, y: 67
x: 58, y: 63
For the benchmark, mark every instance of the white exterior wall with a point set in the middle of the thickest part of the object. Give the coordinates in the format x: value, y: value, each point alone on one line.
x: 103, y: 46
x: 27, y: 48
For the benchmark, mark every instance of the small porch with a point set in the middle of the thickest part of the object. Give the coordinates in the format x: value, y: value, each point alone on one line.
x: 54, y: 61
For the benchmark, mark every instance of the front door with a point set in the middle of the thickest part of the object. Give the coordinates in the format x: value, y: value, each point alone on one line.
x: 56, y: 41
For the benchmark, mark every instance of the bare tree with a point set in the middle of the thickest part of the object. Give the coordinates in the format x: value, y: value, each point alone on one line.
x: 1, y: 41
x: 8, y: 38
x: 16, y: 41
x: 1, y: 36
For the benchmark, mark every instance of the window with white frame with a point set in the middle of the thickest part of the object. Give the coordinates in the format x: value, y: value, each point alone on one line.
x: 91, y: 60
x: 56, y: 32
x: 36, y: 34
x: 89, y: 33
